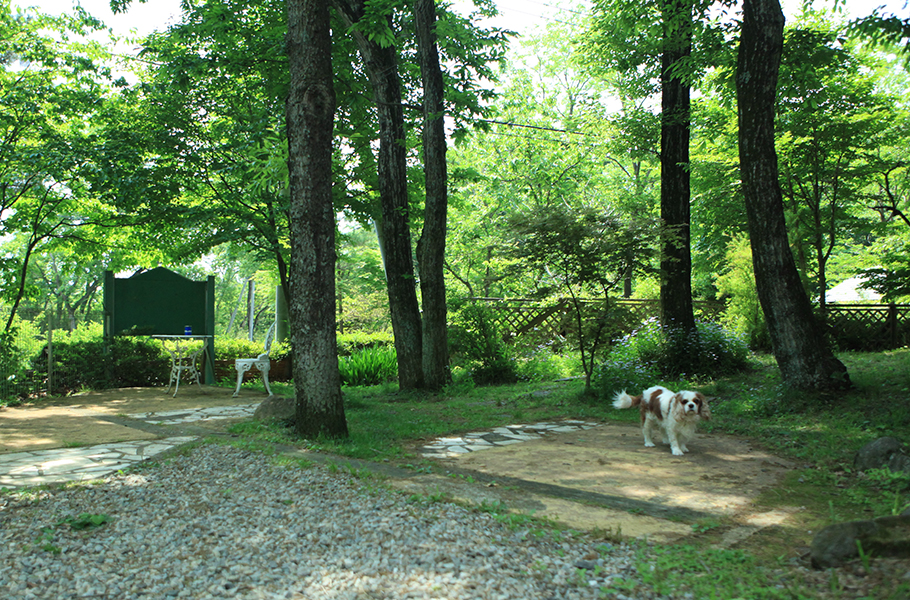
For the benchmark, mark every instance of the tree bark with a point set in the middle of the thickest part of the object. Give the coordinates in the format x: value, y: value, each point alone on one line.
x: 382, y: 69
x: 805, y: 360
x: 676, y: 258
x: 432, y: 243
x: 310, y: 115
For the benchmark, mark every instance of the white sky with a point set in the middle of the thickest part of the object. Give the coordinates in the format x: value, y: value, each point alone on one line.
x: 518, y: 15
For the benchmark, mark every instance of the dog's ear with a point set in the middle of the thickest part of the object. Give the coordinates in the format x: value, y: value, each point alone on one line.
x: 677, y: 407
x: 703, y: 409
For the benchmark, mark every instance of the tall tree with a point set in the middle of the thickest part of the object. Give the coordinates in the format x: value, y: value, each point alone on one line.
x: 310, y: 116
x: 805, y: 360
x: 676, y: 256
x: 431, y: 245
x: 55, y: 96
x: 371, y: 30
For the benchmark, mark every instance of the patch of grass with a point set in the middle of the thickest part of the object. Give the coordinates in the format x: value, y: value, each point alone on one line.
x: 822, y: 429
x: 430, y: 497
x: 82, y: 522
x: 85, y: 521
x: 693, y: 572
x: 385, y: 423
x: 819, y: 432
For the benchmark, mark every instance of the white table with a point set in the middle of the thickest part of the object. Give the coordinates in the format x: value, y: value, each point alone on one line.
x: 184, y: 354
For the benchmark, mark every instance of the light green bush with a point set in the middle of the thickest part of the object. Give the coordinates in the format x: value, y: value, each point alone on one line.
x: 743, y: 315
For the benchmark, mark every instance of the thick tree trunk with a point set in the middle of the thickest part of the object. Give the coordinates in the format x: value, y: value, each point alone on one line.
x: 676, y: 257
x: 382, y: 69
x: 310, y: 114
x: 805, y: 360
x: 432, y: 244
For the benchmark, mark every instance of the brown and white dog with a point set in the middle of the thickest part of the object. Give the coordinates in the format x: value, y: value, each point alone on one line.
x: 674, y: 416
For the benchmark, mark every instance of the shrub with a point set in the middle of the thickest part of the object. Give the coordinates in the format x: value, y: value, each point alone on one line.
x: 234, y: 348
x: 616, y: 374
x: 474, y: 335
x: 349, y: 343
x: 370, y: 366
x: 545, y: 363
x: 653, y: 352
x: 128, y: 362
x: 13, y: 375
x: 743, y: 314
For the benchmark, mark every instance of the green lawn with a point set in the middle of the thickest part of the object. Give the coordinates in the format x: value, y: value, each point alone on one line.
x: 820, y: 432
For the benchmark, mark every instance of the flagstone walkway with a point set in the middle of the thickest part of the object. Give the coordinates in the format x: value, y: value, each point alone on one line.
x: 188, y: 415
x: 450, y: 447
x: 62, y: 465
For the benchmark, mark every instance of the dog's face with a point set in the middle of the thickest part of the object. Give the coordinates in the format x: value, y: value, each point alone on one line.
x: 694, y: 403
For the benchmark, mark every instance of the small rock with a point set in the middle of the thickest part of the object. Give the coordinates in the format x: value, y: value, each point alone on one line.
x: 883, y: 537
x: 876, y: 454
x: 276, y: 408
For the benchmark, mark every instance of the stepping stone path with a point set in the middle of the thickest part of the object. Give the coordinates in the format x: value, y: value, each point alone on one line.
x: 62, y: 465
x: 450, y: 447
x: 188, y: 415
x: 78, y: 464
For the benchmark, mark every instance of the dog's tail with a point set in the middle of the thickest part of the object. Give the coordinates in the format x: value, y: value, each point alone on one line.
x: 624, y: 400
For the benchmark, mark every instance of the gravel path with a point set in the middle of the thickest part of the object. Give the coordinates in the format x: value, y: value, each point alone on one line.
x: 224, y: 523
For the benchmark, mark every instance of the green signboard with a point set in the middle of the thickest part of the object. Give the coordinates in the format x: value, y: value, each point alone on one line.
x: 161, y: 302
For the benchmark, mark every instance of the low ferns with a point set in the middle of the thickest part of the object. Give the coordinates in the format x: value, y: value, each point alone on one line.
x: 370, y: 366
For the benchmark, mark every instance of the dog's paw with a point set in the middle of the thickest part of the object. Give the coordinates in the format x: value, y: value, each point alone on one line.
x: 677, y: 452
x: 649, y: 444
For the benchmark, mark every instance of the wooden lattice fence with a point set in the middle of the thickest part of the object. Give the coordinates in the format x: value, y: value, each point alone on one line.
x: 869, y: 326
x: 519, y: 317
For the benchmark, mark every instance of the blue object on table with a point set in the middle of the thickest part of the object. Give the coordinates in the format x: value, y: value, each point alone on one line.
x: 188, y: 330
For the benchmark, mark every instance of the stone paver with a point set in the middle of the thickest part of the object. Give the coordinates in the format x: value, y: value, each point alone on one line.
x: 449, y: 447
x: 79, y: 464
x: 62, y: 465
x: 188, y: 415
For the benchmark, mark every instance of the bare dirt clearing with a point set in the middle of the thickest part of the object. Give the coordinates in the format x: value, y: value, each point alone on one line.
x: 601, y: 478
x: 604, y: 478
x: 98, y: 417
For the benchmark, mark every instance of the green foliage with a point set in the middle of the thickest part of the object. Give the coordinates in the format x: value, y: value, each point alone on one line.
x: 654, y: 350
x: 234, y: 348
x: 349, y: 343
x: 475, y: 337
x: 128, y: 362
x: 12, y: 372
x: 85, y: 521
x: 370, y: 366
x: 622, y: 372
x: 743, y: 314
x: 733, y: 573
x: 543, y: 363
x: 831, y: 121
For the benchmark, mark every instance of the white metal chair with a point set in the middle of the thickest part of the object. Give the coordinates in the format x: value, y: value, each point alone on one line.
x: 261, y: 362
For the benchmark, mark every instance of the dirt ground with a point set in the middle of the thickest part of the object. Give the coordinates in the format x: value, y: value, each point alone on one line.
x: 602, y: 478
x: 96, y: 417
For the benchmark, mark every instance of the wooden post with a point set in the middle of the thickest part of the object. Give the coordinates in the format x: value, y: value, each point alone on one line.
x: 251, y: 307
x: 892, y: 324
x: 50, y: 354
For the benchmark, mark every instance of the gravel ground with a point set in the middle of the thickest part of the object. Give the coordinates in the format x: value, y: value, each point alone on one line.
x: 224, y: 523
